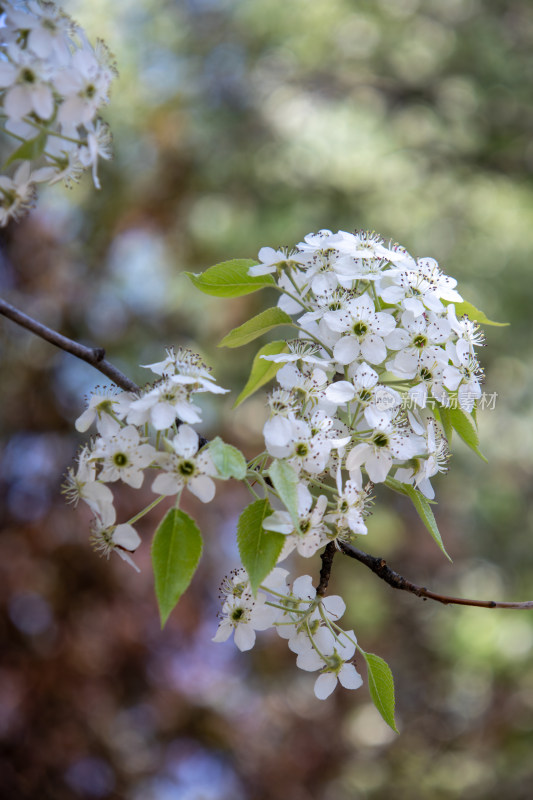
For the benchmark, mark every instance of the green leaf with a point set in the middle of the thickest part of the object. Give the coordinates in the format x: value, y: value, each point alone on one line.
x: 395, y: 485
x: 259, y: 549
x: 381, y: 685
x: 255, y: 327
x: 230, y: 279
x: 285, y: 481
x: 30, y: 150
x: 228, y: 460
x: 421, y: 504
x: 262, y: 371
x: 176, y: 551
x: 475, y: 314
x: 466, y: 428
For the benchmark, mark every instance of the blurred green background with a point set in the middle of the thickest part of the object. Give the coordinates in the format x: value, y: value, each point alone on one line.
x: 237, y: 125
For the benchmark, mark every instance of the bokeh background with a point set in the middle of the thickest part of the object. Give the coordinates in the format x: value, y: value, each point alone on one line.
x: 239, y: 124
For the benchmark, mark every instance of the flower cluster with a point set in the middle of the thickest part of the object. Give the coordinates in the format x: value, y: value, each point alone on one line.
x: 143, y: 431
x: 307, y: 621
x: 53, y: 83
x: 382, y: 355
x: 377, y: 326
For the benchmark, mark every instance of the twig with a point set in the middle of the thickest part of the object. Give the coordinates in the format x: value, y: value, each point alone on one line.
x: 382, y: 570
x: 325, y: 571
x: 95, y: 356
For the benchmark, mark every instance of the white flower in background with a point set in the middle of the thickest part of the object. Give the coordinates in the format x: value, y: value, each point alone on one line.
x: 84, y: 84
x: 52, y: 86
x: 25, y: 79
x: 17, y: 193
x: 185, y: 467
x: 124, y: 456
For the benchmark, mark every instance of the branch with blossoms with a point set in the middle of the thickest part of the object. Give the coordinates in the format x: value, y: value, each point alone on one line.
x: 380, y: 372
x: 327, y: 419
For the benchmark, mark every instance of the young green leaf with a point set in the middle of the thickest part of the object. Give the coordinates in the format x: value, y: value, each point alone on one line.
x: 466, y: 428
x: 285, y: 482
x: 255, y: 327
x: 176, y: 551
x: 29, y: 150
x: 421, y: 504
x: 259, y: 549
x: 262, y: 371
x: 395, y: 485
x: 228, y: 460
x: 381, y: 685
x: 230, y: 279
x: 475, y: 314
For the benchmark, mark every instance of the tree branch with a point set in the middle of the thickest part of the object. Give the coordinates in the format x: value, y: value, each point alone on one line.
x: 325, y: 571
x: 95, y: 356
x: 382, y: 570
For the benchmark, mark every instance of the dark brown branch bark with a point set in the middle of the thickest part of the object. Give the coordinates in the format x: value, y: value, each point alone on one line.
x: 382, y: 570
x: 327, y: 560
x: 95, y: 356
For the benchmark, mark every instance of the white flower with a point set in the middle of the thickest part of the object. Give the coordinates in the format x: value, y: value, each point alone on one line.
x: 84, y: 84
x: 16, y: 194
x: 422, y: 469
x: 365, y: 329
x: 124, y: 456
x: 27, y: 87
x: 463, y: 375
x: 294, y: 440
x: 312, y: 534
x: 185, y: 467
x: 332, y: 654
x: 162, y: 405
x: 105, y: 408
x: 242, y: 614
x: 387, y: 442
x: 349, y: 514
x: 83, y: 485
x: 274, y: 260
x: 305, y: 613
x: 419, y: 289
x: 184, y: 367
x: 120, y: 539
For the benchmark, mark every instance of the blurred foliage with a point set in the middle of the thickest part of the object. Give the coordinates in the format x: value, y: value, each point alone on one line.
x: 241, y: 124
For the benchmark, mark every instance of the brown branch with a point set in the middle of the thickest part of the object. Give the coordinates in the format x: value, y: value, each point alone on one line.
x: 382, y: 570
x: 95, y: 356
x: 327, y: 560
